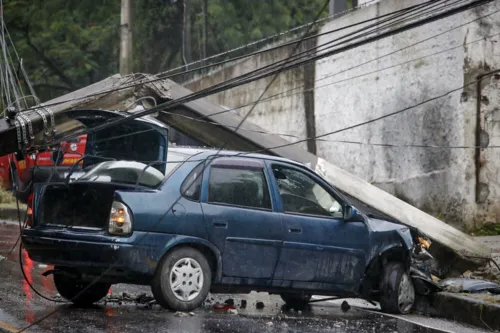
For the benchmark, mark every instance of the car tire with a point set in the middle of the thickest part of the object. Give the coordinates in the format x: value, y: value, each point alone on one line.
x: 397, y: 293
x: 71, y: 289
x: 295, y: 301
x: 182, y: 280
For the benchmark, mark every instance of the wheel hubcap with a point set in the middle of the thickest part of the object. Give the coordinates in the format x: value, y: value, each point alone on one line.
x: 186, y: 279
x: 406, y: 294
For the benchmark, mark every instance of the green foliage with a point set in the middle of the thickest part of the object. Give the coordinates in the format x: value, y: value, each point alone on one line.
x: 489, y: 229
x: 65, y: 44
x: 6, y: 197
x: 69, y: 44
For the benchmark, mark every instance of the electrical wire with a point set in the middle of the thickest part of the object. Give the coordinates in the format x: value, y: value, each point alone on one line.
x: 221, y: 87
x: 289, y: 43
x: 400, y: 111
x: 279, y: 95
x: 276, y: 96
x: 376, y: 118
x: 265, y: 39
x: 141, y: 82
x: 21, y: 264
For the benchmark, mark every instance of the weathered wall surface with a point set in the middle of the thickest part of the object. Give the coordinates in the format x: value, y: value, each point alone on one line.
x: 460, y: 186
x: 276, y: 114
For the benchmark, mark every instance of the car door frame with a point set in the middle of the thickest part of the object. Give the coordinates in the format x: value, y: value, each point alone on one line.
x: 204, y: 200
x: 340, y: 288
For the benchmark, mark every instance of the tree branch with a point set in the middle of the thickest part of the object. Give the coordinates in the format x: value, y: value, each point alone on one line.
x: 48, y: 62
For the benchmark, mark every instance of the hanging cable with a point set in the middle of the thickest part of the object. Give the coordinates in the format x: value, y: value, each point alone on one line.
x: 141, y: 82
x: 222, y: 87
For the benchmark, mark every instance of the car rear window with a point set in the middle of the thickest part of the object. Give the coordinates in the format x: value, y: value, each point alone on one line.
x: 124, y: 172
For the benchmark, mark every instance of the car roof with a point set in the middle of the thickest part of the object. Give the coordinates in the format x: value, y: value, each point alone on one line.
x: 206, y: 152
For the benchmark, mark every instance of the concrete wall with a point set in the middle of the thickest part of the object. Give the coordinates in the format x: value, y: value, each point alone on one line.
x: 284, y: 115
x: 460, y: 186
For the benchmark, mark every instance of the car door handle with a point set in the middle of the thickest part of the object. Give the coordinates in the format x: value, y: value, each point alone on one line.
x: 297, y: 230
x: 220, y: 224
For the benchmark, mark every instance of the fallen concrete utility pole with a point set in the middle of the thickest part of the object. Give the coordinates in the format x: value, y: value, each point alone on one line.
x: 451, y: 247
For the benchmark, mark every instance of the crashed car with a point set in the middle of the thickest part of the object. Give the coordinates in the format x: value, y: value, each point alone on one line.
x: 190, y: 221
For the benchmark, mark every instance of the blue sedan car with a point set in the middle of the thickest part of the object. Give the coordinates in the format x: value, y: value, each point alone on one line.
x: 202, y: 221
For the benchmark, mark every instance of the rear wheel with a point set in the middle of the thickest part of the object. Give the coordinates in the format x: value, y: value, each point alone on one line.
x: 79, y: 292
x: 397, y: 293
x: 295, y: 301
x: 182, y: 280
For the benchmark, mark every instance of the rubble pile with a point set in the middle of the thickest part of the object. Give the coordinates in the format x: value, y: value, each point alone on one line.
x: 488, y: 272
x: 124, y: 297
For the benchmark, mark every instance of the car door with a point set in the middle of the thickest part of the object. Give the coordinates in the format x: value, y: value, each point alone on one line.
x: 320, y: 250
x: 239, y: 216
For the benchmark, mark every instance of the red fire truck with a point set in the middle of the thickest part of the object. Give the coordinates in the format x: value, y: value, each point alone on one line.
x: 43, y: 162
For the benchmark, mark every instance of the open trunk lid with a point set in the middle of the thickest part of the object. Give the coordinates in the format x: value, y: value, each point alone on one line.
x: 143, y: 140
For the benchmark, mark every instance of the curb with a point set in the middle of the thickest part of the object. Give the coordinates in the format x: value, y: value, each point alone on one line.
x: 11, y: 213
x: 463, y: 309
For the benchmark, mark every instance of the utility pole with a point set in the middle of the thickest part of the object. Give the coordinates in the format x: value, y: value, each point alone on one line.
x: 126, y: 38
x: 205, y: 22
x: 186, y: 34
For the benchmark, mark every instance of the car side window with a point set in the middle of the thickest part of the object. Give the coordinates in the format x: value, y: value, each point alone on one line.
x: 301, y: 194
x: 239, y: 186
x: 191, y: 186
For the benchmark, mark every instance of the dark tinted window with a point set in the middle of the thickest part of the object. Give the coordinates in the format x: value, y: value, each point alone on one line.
x: 239, y: 187
x: 191, y: 187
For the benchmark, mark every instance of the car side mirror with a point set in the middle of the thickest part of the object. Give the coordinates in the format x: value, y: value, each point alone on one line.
x: 351, y: 214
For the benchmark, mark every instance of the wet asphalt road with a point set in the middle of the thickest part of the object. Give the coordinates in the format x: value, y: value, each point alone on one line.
x: 20, y: 307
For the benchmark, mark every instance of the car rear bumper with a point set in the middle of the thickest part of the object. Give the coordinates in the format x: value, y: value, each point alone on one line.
x: 135, y: 255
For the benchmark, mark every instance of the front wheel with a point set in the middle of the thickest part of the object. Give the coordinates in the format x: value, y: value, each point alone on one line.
x: 295, y: 301
x: 79, y: 292
x: 397, y: 293
x: 182, y: 280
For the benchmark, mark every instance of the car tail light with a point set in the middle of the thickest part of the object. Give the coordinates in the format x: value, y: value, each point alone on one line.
x: 120, y: 220
x: 29, y: 211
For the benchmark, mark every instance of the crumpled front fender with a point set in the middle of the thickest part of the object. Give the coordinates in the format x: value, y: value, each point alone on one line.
x: 406, y: 238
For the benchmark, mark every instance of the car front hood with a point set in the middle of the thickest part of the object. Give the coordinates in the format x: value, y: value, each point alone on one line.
x: 384, y: 226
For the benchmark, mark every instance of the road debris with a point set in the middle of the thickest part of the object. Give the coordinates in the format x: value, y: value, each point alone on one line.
x: 124, y: 297
x: 469, y: 286
x: 345, y: 306
x: 181, y: 314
